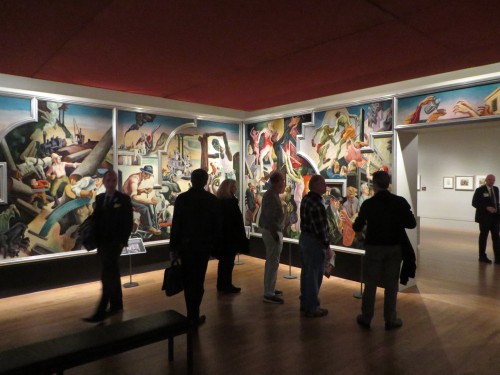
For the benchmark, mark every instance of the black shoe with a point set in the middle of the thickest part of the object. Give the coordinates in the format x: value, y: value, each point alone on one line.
x: 395, y: 324
x: 229, y: 289
x: 362, y: 323
x: 96, y: 318
x: 278, y: 292
x: 484, y: 260
x: 497, y: 261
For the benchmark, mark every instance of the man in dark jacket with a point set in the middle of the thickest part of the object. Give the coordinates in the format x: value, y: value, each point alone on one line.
x: 485, y: 201
x: 113, y: 225
x: 386, y: 216
x: 196, y: 230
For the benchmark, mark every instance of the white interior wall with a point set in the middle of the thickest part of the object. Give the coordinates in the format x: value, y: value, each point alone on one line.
x: 454, y: 151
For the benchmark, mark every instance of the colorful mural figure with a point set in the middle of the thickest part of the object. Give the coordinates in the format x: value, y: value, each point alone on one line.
x: 469, y: 102
x: 53, y: 161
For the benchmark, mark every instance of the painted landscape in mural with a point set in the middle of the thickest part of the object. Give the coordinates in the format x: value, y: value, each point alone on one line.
x: 54, y: 166
x: 156, y: 155
x: 469, y: 102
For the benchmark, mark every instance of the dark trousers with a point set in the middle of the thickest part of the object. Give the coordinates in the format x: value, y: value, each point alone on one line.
x: 381, y: 267
x: 109, y: 257
x: 312, y: 259
x: 225, y: 271
x: 194, y: 267
x: 491, y: 225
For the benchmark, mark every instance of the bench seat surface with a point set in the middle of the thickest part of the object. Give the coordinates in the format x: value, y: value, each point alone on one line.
x: 95, y: 343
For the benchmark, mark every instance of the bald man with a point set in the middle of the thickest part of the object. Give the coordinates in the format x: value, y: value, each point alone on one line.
x: 485, y: 201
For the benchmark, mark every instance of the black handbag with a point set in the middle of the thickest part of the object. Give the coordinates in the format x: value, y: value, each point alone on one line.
x: 87, y: 233
x: 172, y: 279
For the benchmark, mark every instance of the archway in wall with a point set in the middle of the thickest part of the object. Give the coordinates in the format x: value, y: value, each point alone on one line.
x: 451, y: 160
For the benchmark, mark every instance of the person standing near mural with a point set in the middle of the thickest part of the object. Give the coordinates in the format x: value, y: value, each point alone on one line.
x: 143, y: 204
x: 113, y: 225
x: 386, y: 216
x: 235, y: 239
x: 485, y: 201
x: 314, y: 245
x: 271, y: 221
x: 195, y: 234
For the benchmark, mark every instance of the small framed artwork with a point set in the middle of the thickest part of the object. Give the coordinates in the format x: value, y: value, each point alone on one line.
x: 480, y: 180
x: 464, y: 182
x: 448, y: 182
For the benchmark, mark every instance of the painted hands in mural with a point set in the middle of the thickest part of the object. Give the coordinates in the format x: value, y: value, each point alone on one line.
x: 414, y: 118
x: 465, y: 108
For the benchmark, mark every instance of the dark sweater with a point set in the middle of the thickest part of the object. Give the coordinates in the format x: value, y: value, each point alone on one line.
x: 386, y: 215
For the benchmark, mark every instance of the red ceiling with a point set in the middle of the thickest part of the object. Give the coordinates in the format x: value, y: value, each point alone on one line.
x: 244, y: 55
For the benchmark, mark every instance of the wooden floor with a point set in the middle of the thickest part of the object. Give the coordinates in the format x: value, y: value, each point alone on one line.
x: 451, y: 322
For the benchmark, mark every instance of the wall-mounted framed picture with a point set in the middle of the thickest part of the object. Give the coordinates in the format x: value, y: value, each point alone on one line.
x: 480, y: 180
x: 3, y: 183
x: 464, y: 182
x: 448, y: 182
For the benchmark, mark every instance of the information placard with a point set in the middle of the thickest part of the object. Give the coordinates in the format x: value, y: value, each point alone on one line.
x: 135, y: 246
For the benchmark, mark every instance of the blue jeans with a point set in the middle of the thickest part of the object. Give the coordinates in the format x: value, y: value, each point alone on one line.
x: 312, y: 257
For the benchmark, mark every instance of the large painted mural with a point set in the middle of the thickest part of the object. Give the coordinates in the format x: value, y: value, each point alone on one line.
x: 54, y: 161
x: 345, y: 145
x: 54, y: 156
x: 156, y: 155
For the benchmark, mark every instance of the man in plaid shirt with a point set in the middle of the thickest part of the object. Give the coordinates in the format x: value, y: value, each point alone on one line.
x: 314, y: 247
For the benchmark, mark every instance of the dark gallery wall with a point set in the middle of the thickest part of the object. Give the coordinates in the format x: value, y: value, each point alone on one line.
x: 29, y: 277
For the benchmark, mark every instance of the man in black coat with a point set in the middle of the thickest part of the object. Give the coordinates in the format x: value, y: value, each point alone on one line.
x: 386, y: 216
x: 113, y: 225
x: 485, y: 201
x: 195, y: 232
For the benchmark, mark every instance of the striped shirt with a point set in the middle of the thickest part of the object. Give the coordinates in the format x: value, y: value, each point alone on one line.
x: 313, y: 217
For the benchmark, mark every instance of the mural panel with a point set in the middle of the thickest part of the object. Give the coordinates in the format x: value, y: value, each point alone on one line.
x: 345, y: 145
x: 55, y: 165
x: 469, y: 102
x: 156, y: 156
x: 273, y: 146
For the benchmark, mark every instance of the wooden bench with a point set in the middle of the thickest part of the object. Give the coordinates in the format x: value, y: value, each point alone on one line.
x: 59, y: 354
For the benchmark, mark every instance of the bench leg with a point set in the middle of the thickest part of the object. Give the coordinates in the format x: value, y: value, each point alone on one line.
x: 170, y: 349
